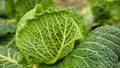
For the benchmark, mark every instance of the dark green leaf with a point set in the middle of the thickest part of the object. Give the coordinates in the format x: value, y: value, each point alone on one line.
x: 4, y: 40
x: 109, y: 36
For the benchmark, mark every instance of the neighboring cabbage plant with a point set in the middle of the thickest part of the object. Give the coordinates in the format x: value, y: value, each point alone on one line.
x: 48, y: 36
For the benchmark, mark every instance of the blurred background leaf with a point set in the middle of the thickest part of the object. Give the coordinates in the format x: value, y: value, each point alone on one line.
x: 10, y: 8
x: 7, y: 33
x: 106, y: 10
x: 3, y: 12
x: 8, y: 41
x: 17, y: 8
x: 7, y: 26
x: 118, y: 65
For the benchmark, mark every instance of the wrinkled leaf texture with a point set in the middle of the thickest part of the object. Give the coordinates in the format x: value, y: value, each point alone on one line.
x: 9, y: 58
x: 99, y: 50
x: 48, y: 36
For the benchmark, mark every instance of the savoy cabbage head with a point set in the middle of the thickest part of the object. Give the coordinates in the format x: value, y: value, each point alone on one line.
x: 48, y: 36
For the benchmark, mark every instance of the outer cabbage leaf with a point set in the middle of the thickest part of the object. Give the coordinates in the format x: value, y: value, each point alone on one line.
x: 9, y: 58
x: 92, y: 54
x: 48, y: 36
x: 109, y: 36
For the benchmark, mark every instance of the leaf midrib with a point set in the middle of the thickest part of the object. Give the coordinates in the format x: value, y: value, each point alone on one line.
x: 8, y: 59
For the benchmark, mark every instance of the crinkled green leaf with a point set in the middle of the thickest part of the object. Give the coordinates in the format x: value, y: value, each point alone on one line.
x: 95, y: 52
x: 109, y: 36
x: 48, y: 36
x: 9, y: 58
x: 7, y: 27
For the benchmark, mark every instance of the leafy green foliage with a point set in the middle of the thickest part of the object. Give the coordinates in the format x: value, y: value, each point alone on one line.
x: 105, y: 10
x: 95, y: 52
x: 7, y: 39
x: 9, y: 5
x: 7, y: 27
x: 48, y: 36
x: 109, y: 36
x: 21, y: 8
x: 115, y: 9
x: 9, y: 58
x: 17, y: 8
x: 118, y: 65
x: 100, y: 13
x: 99, y: 10
x: 56, y: 38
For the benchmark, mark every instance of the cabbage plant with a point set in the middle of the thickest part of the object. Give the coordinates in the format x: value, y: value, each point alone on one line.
x: 55, y: 38
x: 48, y: 36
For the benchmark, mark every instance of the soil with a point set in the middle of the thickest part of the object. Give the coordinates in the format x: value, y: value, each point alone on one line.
x: 79, y: 4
